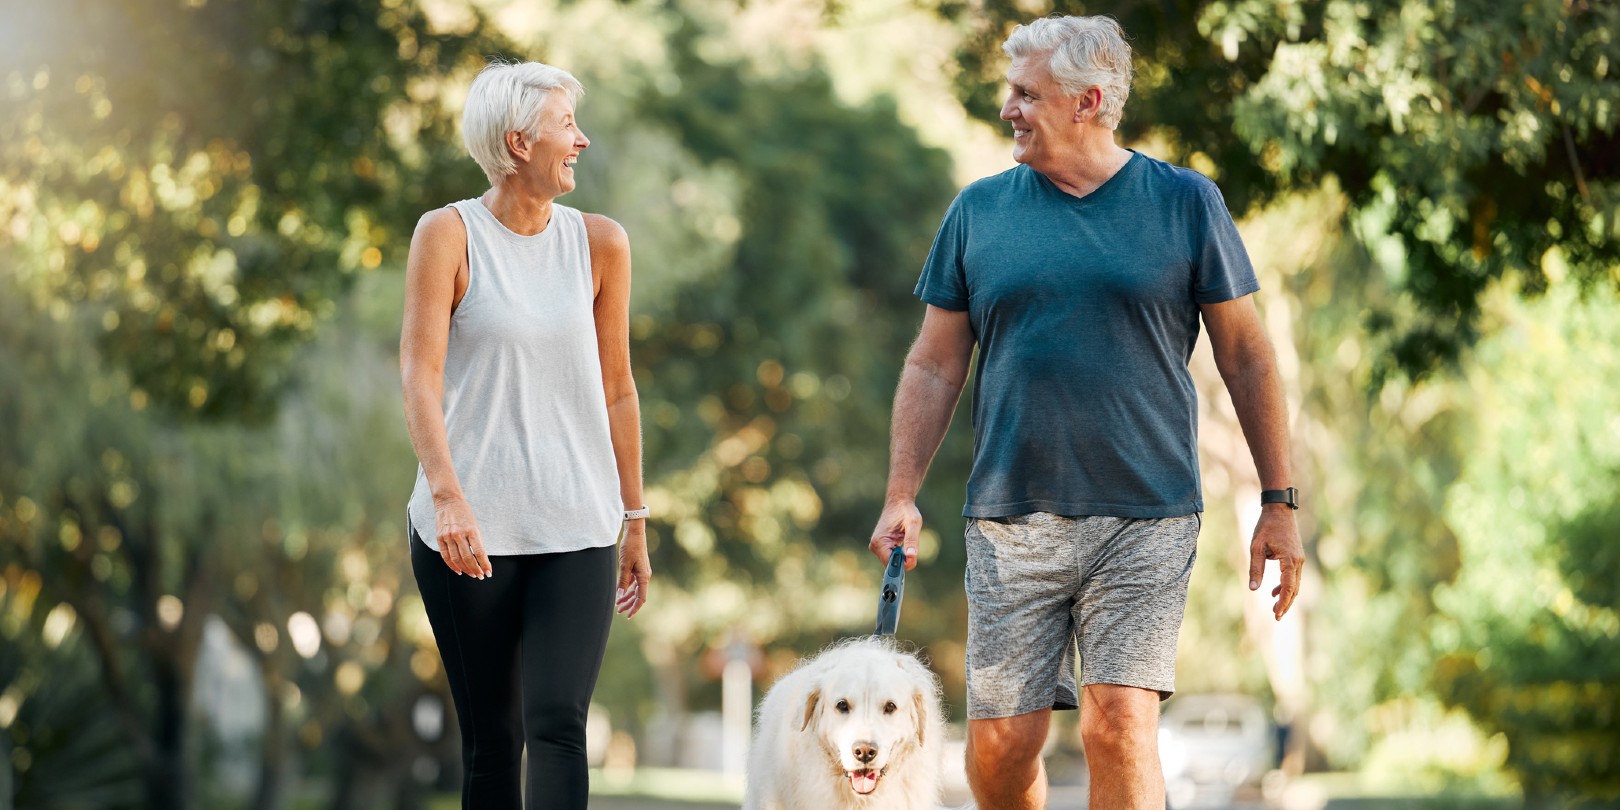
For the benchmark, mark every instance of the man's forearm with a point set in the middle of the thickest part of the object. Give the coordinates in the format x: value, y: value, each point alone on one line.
x: 1262, y: 411
x: 923, y: 405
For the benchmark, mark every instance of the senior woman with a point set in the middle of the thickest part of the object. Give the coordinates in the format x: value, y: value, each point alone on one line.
x: 519, y: 400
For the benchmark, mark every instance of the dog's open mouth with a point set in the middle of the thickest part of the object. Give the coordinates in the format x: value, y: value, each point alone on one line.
x: 864, y: 781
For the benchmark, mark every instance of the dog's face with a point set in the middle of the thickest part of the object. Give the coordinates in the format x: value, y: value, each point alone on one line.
x: 868, y: 712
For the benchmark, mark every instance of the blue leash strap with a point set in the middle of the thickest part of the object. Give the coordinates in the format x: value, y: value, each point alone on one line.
x: 894, y: 589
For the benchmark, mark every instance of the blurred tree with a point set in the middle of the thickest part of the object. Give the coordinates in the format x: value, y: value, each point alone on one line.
x: 345, y: 468
x: 1484, y: 140
x: 1527, y: 633
x: 1377, y: 461
x: 210, y: 176
x: 287, y: 531
x: 194, y: 185
x: 56, y: 747
x: 1551, y: 685
x: 74, y: 465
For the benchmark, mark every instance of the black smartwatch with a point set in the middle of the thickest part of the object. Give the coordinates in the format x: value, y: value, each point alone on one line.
x: 1289, y: 496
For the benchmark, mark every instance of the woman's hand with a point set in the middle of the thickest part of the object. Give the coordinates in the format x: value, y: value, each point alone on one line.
x: 634, y: 569
x: 460, y: 544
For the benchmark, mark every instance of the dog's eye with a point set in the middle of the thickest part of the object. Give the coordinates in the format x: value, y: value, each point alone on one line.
x: 843, y: 707
x: 889, y: 708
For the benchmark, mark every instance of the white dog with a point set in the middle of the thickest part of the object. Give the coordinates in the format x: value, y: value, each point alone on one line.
x: 856, y: 728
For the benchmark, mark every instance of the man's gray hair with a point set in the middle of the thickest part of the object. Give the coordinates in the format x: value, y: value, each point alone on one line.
x: 1084, y: 52
x: 508, y: 97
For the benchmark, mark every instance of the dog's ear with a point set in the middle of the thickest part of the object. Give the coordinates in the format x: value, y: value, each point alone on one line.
x: 919, y: 710
x: 810, y: 707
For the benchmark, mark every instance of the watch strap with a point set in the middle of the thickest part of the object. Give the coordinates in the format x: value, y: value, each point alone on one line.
x: 637, y: 514
x: 1288, y: 496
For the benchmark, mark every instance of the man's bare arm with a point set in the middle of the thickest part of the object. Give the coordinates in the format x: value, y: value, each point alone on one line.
x: 930, y: 385
x: 1248, y: 365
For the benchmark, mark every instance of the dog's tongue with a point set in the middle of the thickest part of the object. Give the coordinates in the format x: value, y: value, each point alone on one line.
x: 863, y: 782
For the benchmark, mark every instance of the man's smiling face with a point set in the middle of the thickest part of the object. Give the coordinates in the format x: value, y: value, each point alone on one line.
x: 1041, y: 114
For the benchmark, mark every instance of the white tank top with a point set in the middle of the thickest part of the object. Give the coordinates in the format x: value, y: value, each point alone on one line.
x: 524, y: 406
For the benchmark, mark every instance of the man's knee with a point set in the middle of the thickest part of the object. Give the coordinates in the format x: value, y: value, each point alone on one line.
x: 1118, y: 717
x: 1007, y: 742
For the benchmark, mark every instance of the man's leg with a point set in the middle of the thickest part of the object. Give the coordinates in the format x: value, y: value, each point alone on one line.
x: 1130, y: 616
x: 1021, y: 583
x: 1120, y: 728
x: 1004, y: 766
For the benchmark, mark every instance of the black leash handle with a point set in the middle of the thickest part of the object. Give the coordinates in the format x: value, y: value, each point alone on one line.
x: 894, y: 589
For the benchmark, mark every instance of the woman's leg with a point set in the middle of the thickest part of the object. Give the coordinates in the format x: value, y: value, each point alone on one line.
x: 567, y: 610
x: 475, y: 624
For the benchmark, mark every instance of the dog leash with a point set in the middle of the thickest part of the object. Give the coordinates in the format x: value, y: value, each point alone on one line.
x: 894, y: 588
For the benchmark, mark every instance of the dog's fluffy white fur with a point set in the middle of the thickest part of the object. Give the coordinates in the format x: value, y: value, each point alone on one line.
x: 858, y: 727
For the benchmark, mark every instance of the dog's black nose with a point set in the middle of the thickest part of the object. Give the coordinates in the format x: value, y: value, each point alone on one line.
x: 865, y: 752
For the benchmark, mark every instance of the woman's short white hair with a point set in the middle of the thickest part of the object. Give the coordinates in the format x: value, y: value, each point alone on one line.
x: 1084, y: 52
x: 508, y: 97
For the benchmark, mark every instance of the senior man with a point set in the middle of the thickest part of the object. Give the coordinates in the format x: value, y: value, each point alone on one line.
x: 1081, y: 274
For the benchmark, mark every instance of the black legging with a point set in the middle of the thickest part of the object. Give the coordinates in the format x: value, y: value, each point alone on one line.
x: 533, y: 634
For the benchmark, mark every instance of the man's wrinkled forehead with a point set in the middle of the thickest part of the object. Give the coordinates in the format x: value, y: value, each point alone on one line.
x: 1029, y: 71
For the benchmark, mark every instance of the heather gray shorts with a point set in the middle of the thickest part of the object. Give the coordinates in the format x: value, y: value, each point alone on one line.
x: 1040, y: 584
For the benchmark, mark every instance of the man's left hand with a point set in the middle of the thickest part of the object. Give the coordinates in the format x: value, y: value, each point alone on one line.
x: 1276, y: 537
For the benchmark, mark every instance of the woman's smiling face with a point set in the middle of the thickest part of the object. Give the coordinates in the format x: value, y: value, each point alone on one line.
x: 557, y: 144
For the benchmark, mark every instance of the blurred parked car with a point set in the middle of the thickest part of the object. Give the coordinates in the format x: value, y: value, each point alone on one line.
x: 1212, y: 745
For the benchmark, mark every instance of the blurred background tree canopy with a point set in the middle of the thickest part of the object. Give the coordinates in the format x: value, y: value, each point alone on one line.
x: 204, y: 211
x: 190, y: 191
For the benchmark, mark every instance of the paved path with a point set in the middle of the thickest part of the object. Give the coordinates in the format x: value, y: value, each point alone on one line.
x: 1061, y: 798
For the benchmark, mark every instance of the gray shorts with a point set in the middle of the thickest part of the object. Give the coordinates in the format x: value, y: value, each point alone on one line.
x: 1039, y: 584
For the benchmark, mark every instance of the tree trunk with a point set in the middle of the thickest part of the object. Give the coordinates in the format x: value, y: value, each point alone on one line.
x: 360, y: 768
x: 411, y: 793
x: 166, y: 782
x: 8, y: 785
x: 267, y: 794
x: 661, y: 746
x: 169, y: 779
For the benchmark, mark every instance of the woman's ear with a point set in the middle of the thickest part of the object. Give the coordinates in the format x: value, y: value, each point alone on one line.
x: 518, y: 144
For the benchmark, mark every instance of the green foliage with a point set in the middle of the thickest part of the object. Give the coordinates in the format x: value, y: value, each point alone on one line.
x: 133, y: 531
x: 71, y: 487
x: 57, y: 748
x: 1526, y: 634
x: 1485, y: 137
x: 209, y: 177
x: 189, y: 191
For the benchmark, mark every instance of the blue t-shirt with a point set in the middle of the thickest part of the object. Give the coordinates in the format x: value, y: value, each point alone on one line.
x: 1086, y: 313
